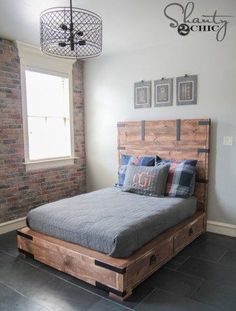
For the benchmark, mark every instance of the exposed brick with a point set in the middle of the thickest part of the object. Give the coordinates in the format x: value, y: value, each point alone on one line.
x: 20, y: 191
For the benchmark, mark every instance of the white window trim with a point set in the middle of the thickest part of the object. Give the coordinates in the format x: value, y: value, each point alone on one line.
x: 49, y: 163
x: 29, y: 57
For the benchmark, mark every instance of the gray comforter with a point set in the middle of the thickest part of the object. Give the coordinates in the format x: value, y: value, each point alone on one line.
x: 109, y: 220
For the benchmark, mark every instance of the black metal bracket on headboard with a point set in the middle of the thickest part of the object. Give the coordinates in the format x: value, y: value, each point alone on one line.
x: 143, y: 130
x: 203, y: 150
x: 178, y: 129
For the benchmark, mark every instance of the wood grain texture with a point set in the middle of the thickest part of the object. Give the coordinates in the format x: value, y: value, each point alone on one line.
x: 170, y: 139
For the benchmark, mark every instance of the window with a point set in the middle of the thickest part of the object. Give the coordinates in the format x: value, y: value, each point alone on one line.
x: 47, y: 116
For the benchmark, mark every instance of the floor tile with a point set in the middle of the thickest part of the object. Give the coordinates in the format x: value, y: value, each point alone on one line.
x: 21, y: 276
x: 210, y: 271
x: 175, y: 282
x: 165, y: 301
x: 106, y: 305
x: 10, y: 300
x: 139, y: 293
x: 218, y: 295
x: 229, y: 259
x: 8, y: 243
x: 176, y: 262
x: 205, y: 250
x: 221, y: 240
x: 5, y: 258
x: 59, y: 295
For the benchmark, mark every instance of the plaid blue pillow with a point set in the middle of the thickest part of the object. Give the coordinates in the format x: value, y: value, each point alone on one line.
x: 127, y: 159
x: 181, y: 178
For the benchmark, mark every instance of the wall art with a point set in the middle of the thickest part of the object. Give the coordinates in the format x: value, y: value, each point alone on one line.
x: 163, y: 92
x: 186, y: 90
x: 142, y: 94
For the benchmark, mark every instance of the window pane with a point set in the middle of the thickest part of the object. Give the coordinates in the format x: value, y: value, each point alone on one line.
x: 48, y: 138
x: 47, y: 95
x: 48, y: 115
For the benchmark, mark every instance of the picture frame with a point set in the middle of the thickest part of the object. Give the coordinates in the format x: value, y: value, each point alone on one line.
x: 163, y: 92
x: 142, y: 94
x: 186, y: 90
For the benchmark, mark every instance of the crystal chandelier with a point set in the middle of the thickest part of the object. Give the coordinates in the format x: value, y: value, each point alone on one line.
x: 70, y: 32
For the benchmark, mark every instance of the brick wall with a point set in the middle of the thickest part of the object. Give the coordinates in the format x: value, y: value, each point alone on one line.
x: 21, y: 190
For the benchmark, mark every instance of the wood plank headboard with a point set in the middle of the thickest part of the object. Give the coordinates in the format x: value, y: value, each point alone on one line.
x: 171, y: 139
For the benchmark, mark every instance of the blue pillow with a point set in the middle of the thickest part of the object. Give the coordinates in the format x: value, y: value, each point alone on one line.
x: 133, y: 160
x: 121, y: 175
x: 140, y: 161
x: 124, y: 160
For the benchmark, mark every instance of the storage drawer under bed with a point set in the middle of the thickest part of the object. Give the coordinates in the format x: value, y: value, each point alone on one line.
x: 188, y: 233
x: 145, y: 266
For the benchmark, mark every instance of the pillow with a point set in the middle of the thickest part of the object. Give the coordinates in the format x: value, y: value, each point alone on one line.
x: 137, y: 160
x: 146, y: 180
x: 181, y: 177
x: 127, y: 159
x: 121, y: 175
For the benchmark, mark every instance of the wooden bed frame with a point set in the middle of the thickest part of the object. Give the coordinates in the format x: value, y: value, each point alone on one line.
x: 172, y: 139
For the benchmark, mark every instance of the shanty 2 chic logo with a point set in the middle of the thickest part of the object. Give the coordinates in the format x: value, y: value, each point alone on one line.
x: 182, y: 18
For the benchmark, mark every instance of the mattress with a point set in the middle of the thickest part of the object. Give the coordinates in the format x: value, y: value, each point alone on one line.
x: 109, y: 220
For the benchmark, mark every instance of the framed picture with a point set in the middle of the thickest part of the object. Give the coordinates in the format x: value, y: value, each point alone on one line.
x: 142, y: 94
x: 186, y: 90
x: 163, y: 92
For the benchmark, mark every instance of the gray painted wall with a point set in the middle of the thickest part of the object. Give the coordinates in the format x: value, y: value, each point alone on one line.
x: 109, y: 98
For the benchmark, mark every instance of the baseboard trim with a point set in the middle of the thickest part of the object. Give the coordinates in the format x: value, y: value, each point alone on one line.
x: 221, y: 228
x: 12, y: 225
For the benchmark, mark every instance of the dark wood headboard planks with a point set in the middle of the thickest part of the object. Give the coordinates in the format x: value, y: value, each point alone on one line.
x: 170, y: 139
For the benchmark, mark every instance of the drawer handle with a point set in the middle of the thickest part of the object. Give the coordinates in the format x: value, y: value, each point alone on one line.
x: 152, y: 260
x: 190, y: 232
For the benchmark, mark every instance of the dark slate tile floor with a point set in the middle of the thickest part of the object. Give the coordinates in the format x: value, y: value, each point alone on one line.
x: 200, y: 278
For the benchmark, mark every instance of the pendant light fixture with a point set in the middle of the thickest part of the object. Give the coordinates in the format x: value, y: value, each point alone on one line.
x: 70, y: 32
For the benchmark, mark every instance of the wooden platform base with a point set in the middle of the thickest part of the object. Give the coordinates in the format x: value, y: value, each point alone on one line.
x: 117, y: 276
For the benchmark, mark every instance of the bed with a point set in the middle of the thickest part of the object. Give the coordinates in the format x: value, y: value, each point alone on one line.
x: 109, y: 220
x: 116, y: 239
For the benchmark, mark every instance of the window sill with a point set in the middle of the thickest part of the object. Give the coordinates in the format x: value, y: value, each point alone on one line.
x: 48, y: 163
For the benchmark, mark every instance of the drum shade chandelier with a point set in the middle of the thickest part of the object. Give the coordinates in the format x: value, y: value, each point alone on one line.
x: 70, y: 32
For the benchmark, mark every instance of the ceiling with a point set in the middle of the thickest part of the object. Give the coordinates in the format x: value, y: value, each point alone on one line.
x: 125, y: 22
x: 128, y: 25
